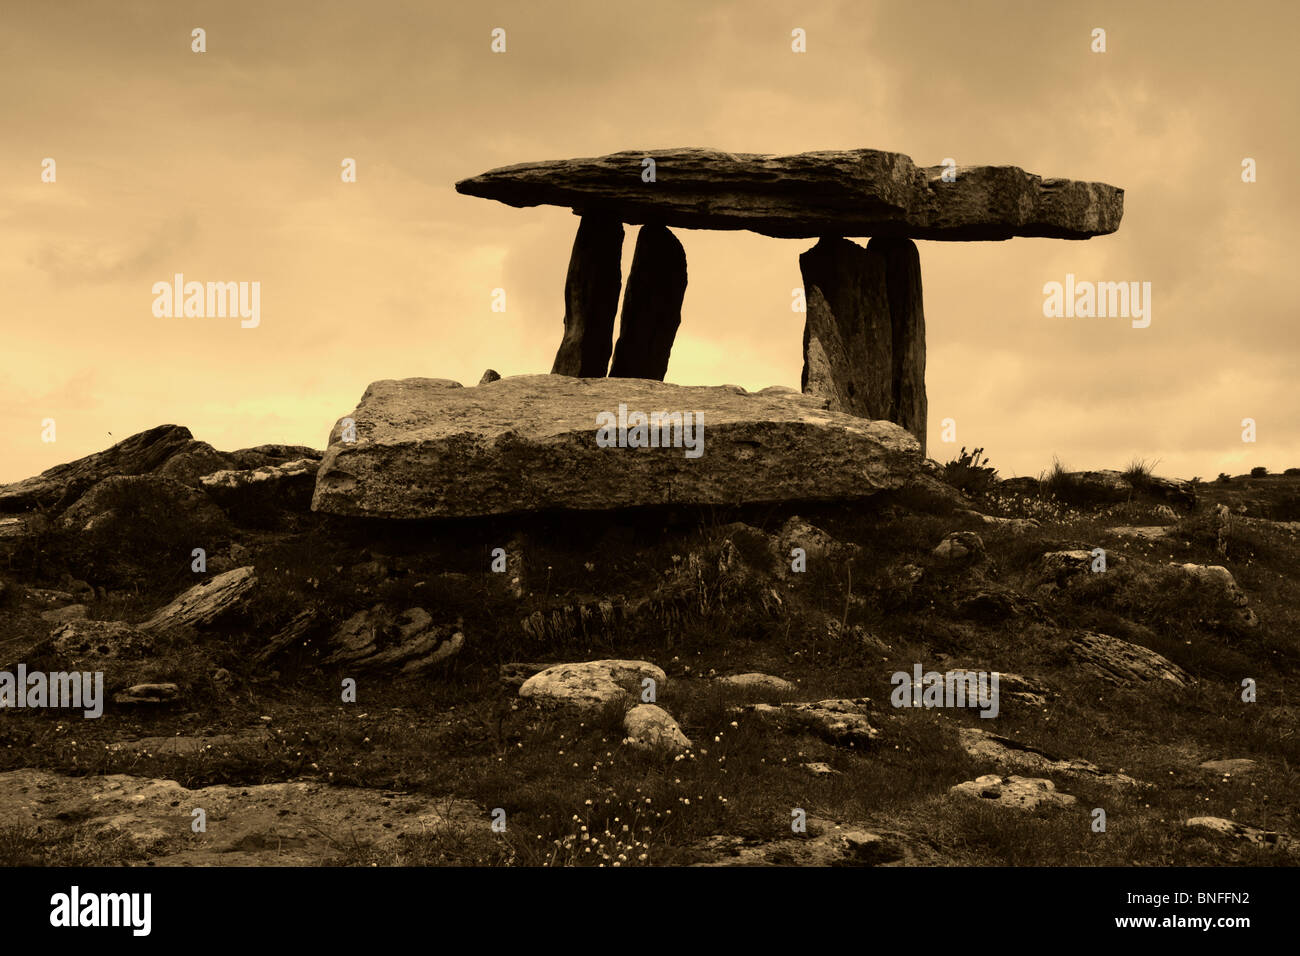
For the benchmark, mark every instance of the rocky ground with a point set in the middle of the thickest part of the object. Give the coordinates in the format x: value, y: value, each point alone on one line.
x: 648, y: 686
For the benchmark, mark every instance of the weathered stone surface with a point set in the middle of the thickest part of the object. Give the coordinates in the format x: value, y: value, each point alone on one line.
x: 118, y: 495
x: 261, y: 456
x: 192, y: 462
x: 592, y: 683
x: 491, y: 375
x: 259, y: 491
x: 63, y: 484
x: 528, y: 443
x: 85, y: 644
x: 759, y: 682
x: 985, y: 745
x: 650, y: 727
x: 652, y: 306
x: 818, y: 545
x: 1219, y: 582
x: 591, y: 298
x: 300, y: 823
x: 840, y: 721
x: 73, y: 612
x: 826, y: 843
x: 1017, y: 793
x: 204, y: 603
x: 960, y: 547
x: 902, y: 266
x: 1268, y: 839
x: 408, y: 641
x: 1123, y: 663
x: 847, y: 335
x: 860, y: 192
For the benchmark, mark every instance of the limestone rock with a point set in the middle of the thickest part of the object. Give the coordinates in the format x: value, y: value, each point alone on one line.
x: 117, y: 497
x: 204, y: 603
x: 652, y: 306
x: 960, y: 547
x: 491, y: 375
x: 847, y: 337
x: 985, y: 745
x: 591, y: 298
x: 902, y: 268
x: 818, y: 545
x: 95, y: 642
x: 61, y: 485
x: 860, y: 192
x: 192, y: 462
x: 1017, y: 793
x: 759, y: 682
x: 528, y: 443
x: 1239, y: 831
x: 826, y: 844
x: 650, y: 727
x: 1120, y: 662
x: 842, y: 721
x: 592, y: 683
x: 408, y: 641
x: 260, y: 491
x: 73, y: 612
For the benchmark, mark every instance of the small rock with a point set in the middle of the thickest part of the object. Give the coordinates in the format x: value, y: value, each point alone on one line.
x: 650, y: 727
x: 1019, y: 793
x: 821, y: 769
x: 960, y: 547
x: 756, y: 681
x: 148, y: 694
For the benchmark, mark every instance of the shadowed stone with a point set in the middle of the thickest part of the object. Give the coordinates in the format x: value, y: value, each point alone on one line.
x: 907, y: 323
x: 847, y: 336
x: 652, y: 306
x: 858, y: 192
x: 591, y: 298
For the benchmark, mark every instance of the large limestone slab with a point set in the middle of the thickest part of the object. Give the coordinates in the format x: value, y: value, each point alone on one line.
x: 858, y: 192
x: 429, y: 448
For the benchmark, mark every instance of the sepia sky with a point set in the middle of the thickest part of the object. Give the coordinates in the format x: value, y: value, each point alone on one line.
x: 225, y: 166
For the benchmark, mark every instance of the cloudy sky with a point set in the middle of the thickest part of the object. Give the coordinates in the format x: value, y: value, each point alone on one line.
x: 225, y: 166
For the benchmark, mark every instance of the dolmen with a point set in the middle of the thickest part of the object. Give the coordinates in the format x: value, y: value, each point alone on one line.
x: 864, y: 332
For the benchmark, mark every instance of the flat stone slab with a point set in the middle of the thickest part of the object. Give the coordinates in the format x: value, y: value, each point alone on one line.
x: 857, y: 192
x: 429, y: 448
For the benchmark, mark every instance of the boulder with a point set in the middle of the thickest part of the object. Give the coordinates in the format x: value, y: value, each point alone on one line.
x: 204, y: 603
x: 491, y: 375
x: 1120, y: 662
x: 61, y: 485
x: 429, y: 448
x: 592, y: 683
x: 124, y: 496
x: 258, y: 492
x: 192, y: 462
x: 652, y: 306
x: 985, y: 745
x: 858, y: 192
x: 73, y: 612
x: 650, y: 727
x: 88, y: 645
x: 1017, y: 793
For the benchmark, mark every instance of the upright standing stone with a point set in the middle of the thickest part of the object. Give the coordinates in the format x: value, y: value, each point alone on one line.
x: 652, y: 307
x: 591, y: 298
x: 907, y: 321
x: 847, y: 336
